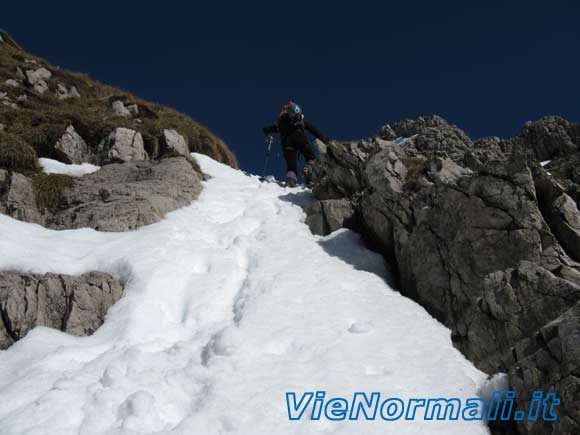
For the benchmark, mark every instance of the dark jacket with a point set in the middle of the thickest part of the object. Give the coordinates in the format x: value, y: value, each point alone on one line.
x: 293, y: 131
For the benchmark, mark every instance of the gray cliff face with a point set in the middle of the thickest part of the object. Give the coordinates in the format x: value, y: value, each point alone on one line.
x: 481, y: 235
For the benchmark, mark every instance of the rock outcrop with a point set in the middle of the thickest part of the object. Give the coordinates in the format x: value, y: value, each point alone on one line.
x: 118, y: 197
x: 550, y: 137
x: 73, y: 304
x: 126, y: 196
x: 480, y: 235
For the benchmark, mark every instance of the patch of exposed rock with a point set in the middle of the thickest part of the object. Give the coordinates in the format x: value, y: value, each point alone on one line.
x: 122, y: 145
x: 118, y: 197
x: 73, y: 304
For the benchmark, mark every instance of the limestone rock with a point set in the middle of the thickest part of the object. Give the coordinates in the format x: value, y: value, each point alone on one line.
x: 71, y: 147
x: 20, y: 74
x: 40, y: 86
x: 172, y: 141
x: 435, y: 135
x: 549, y: 361
x: 74, y: 304
x: 133, y: 109
x: 121, y: 197
x: 119, y: 109
x: 38, y: 75
x: 549, y: 137
x: 17, y: 198
x: 327, y: 216
x: 387, y: 133
x: 122, y: 145
x: 63, y: 93
x: 561, y: 213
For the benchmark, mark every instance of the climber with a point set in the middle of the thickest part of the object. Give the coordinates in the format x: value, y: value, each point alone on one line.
x: 292, y: 128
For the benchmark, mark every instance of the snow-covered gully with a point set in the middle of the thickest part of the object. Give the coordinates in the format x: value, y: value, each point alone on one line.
x: 229, y: 304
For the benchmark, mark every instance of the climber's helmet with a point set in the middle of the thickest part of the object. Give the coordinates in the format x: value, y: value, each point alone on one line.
x: 292, y: 109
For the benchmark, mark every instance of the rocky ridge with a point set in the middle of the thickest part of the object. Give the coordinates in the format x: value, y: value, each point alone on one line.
x: 481, y: 234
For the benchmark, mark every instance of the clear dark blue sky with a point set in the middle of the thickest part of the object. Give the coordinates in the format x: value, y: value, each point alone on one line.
x: 352, y: 65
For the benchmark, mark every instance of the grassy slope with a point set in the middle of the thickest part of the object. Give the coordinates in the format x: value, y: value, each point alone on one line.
x: 41, y: 119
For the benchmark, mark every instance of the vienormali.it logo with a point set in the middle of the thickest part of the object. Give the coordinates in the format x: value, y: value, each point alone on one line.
x: 370, y: 406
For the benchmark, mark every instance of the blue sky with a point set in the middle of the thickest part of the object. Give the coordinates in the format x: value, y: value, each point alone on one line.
x: 353, y: 66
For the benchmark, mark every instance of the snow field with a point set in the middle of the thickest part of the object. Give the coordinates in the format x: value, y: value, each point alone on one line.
x: 229, y: 303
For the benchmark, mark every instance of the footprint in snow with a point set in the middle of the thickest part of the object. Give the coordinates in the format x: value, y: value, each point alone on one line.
x: 360, y: 327
x: 374, y: 370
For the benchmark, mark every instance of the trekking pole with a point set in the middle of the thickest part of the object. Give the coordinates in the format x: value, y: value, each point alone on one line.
x: 269, y: 141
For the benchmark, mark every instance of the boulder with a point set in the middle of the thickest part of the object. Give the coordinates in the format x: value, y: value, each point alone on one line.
x: 122, y: 145
x: 121, y: 197
x: 133, y: 109
x: 386, y: 132
x: 10, y: 104
x: 20, y: 74
x: 119, y: 109
x: 38, y: 75
x: 40, y: 86
x: 326, y: 216
x: 63, y: 93
x: 17, y: 197
x: 172, y: 142
x: 13, y: 83
x: 71, y: 147
x: 73, y: 304
x: 7, y: 101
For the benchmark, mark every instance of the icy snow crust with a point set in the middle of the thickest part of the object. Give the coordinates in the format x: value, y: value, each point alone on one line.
x: 229, y: 303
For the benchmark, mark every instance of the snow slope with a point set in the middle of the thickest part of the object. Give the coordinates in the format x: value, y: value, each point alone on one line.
x: 229, y: 303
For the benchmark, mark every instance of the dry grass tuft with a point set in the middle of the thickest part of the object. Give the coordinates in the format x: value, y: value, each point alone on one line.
x: 416, y: 172
x: 48, y: 189
x: 16, y: 155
